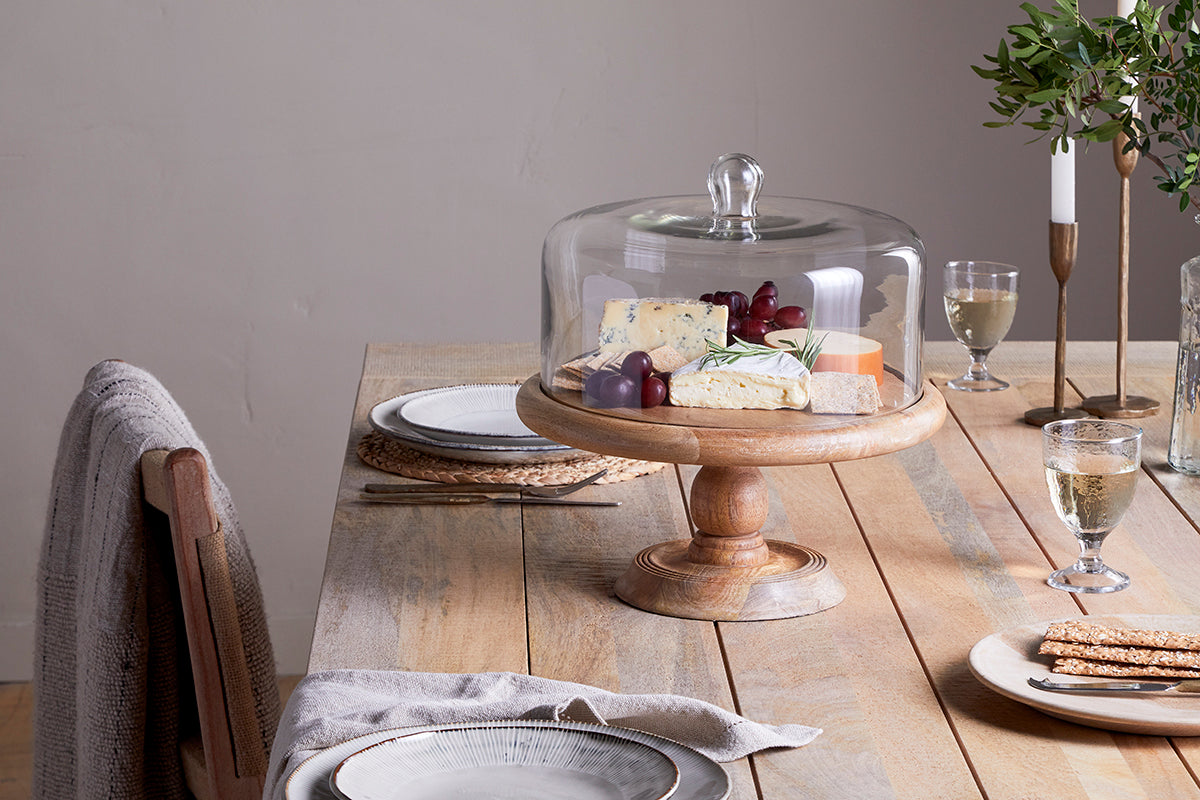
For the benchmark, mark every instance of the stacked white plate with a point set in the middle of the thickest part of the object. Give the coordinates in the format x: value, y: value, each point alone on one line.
x: 527, y: 759
x: 475, y: 422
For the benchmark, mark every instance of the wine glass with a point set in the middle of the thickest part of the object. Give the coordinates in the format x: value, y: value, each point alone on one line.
x: 1091, y: 469
x: 981, y: 299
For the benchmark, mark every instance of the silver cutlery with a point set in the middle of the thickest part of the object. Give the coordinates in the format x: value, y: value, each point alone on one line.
x: 1186, y: 686
x: 444, y: 499
x: 482, y: 488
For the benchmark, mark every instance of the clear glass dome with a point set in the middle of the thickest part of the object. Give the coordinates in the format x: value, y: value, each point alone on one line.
x: 857, y: 274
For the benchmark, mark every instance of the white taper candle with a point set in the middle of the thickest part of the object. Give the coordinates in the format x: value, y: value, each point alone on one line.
x: 1062, y: 184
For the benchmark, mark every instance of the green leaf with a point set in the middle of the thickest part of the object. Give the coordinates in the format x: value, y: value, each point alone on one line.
x: 1108, y: 130
x: 1045, y: 96
x: 1002, y: 55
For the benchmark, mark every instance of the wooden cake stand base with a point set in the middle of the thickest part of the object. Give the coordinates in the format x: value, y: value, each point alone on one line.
x: 727, y: 570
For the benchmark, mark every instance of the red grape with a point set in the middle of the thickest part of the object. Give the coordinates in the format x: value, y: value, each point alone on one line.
x: 654, y: 391
x: 741, y: 303
x: 734, y: 326
x: 755, y: 330
x: 637, y: 365
x: 768, y: 289
x: 791, y: 317
x: 707, y: 297
x: 764, y: 308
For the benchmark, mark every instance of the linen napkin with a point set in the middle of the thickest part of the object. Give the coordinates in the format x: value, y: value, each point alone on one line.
x: 327, y: 708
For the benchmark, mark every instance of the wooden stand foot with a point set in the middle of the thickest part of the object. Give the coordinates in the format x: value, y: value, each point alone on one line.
x: 1111, y: 406
x: 1040, y: 416
x: 727, y: 571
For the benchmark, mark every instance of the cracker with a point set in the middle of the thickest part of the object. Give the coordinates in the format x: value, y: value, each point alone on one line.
x: 666, y: 359
x: 1125, y: 655
x: 1093, y: 633
x: 1083, y: 666
x: 567, y: 380
x: 843, y: 393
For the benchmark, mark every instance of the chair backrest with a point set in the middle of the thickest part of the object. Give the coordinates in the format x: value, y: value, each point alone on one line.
x: 235, y: 761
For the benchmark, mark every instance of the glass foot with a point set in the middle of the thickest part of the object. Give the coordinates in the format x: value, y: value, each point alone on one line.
x: 968, y: 383
x: 1074, y: 579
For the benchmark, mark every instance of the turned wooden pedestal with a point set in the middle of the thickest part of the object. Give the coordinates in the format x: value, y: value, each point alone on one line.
x: 727, y: 570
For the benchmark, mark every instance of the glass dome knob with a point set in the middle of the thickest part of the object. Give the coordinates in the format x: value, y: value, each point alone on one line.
x: 734, y: 181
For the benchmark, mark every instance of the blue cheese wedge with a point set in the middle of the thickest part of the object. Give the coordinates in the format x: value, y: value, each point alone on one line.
x: 752, y: 381
x: 651, y: 322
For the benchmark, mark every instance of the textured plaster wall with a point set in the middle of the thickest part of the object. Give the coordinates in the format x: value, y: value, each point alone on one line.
x: 239, y: 196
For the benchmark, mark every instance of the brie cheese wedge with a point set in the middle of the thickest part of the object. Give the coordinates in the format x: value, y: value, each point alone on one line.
x: 778, y: 380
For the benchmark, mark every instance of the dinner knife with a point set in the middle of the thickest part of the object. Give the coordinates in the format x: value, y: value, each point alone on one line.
x: 1191, y: 685
x: 435, y: 499
x: 450, y: 488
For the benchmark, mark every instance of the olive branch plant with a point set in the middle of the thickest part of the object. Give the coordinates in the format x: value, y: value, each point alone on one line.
x: 1075, y: 73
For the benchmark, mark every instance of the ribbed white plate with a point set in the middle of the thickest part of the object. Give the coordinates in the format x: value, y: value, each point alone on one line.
x: 521, y: 763
x: 477, y: 413
x: 385, y: 419
x: 700, y: 778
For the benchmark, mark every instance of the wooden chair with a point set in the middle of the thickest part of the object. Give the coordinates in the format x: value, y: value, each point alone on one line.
x: 229, y: 762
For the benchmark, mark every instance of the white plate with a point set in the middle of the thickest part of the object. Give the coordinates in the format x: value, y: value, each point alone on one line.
x: 383, y: 418
x: 700, y: 778
x: 476, y: 413
x: 519, y: 762
x: 1005, y: 661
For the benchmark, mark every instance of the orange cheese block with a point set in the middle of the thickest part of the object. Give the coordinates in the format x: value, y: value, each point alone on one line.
x: 841, y: 352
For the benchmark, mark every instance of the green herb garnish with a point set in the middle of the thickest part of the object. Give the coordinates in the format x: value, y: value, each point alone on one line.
x: 806, y: 354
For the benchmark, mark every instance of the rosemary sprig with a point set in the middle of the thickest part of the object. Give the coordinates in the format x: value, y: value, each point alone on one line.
x: 720, y: 355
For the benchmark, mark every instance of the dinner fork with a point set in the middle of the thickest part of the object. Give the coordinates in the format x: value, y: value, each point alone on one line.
x: 484, y: 488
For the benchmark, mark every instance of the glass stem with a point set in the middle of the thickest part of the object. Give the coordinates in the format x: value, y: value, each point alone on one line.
x: 978, y: 370
x: 1089, y: 552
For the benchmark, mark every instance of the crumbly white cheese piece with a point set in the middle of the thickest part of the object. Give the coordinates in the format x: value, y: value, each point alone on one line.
x: 753, y: 381
x: 648, y: 323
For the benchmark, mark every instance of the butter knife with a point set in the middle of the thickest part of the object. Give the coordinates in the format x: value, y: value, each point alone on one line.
x: 435, y: 499
x: 1191, y: 685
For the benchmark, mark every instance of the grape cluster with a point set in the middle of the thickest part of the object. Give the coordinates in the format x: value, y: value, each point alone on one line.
x: 752, y: 318
x: 634, y: 384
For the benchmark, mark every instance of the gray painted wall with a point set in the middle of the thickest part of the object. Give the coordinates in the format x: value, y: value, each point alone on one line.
x: 239, y: 196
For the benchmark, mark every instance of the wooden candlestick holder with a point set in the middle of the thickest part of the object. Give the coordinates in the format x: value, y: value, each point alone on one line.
x: 1121, y: 405
x: 727, y: 570
x: 1064, y: 240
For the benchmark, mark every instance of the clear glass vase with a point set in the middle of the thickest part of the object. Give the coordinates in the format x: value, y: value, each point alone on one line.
x: 1184, y: 452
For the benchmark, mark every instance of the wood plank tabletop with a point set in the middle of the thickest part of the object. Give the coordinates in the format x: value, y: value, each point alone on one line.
x: 939, y: 546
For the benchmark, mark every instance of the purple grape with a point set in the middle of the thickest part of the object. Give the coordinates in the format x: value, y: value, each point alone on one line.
x: 618, y: 391
x: 637, y: 365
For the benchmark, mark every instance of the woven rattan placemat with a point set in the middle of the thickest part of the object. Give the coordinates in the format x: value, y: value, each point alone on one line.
x: 389, y: 455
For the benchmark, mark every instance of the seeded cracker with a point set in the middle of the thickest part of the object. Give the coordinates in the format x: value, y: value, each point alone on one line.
x: 1108, y: 669
x: 1151, y: 656
x: 1092, y: 633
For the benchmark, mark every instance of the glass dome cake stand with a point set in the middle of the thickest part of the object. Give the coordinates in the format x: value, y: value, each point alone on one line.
x: 728, y: 570
x: 618, y: 278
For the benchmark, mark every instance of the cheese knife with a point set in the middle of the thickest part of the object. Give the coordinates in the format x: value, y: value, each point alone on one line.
x: 1186, y: 686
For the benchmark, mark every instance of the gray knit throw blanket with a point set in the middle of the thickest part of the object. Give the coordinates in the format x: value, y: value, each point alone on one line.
x: 112, y: 680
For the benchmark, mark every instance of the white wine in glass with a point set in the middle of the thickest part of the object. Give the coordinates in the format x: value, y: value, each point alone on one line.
x: 1091, y: 470
x: 981, y: 300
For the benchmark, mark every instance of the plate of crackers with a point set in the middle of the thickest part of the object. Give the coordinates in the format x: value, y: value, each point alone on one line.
x: 1144, y: 647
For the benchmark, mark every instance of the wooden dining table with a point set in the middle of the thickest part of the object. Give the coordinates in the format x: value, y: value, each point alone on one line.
x: 939, y: 546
